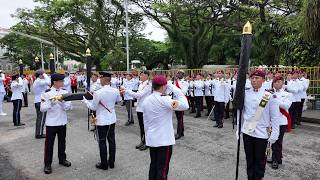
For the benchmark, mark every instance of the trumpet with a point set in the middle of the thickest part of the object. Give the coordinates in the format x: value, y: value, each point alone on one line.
x: 269, y: 149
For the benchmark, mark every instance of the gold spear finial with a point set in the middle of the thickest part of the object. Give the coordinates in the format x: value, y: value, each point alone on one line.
x: 88, y: 52
x: 247, y: 28
x: 51, y: 56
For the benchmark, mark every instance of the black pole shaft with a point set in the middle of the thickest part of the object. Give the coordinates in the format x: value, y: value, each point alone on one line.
x: 238, y: 145
x: 21, y: 69
x: 88, y: 64
x: 52, y: 66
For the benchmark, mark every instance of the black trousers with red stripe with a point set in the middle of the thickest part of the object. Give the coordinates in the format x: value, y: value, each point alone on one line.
x: 160, y: 159
x: 277, y: 146
x: 180, y: 126
x: 255, y: 150
x: 51, y: 132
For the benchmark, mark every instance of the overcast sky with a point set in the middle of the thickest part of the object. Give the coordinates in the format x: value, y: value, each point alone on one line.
x: 9, y: 7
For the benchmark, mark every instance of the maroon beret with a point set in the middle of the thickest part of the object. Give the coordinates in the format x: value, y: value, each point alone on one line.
x: 278, y: 78
x: 159, y: 80
x: 258, y: 72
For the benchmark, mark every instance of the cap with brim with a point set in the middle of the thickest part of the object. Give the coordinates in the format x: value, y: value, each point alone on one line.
x: 159, y: 80
x: 278, y: 78
x: 15, y: 76
x: 258, y: 73
x: 57, y: 77
x: 105, y: 74
x: 39, y: 72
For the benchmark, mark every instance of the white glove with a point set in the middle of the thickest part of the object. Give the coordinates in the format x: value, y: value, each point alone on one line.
x: 271, y: 141
x: 84, y: 100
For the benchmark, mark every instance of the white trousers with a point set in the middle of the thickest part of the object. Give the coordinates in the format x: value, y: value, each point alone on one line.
x: 1, y: 101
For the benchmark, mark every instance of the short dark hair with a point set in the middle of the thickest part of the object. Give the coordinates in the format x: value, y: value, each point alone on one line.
x: 156, y: 86
x: 145, y: 72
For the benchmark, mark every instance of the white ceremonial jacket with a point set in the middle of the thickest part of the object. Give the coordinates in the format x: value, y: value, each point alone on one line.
x: 16, y: 88
x: 103, y: 103
x: 198, y: 87
x: 284, y: 100
x: 39, y: 87
x: 56, y: 111
x: 157, y: 117
x: 144, y: 90
x: 269, y: 117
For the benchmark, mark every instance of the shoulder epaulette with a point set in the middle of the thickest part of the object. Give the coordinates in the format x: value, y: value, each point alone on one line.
x: 47, y: 90
x: 247, y: 88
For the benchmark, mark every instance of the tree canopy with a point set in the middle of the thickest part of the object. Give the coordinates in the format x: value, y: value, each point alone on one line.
x: 199, y: 32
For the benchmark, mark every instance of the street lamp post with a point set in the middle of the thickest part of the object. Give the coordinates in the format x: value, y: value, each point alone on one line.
x: 52, y: 65
x: 36, y: 60
x: 127, y: 35
x: 20, y: 67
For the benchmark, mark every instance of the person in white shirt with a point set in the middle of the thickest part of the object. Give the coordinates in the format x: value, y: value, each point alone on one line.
x: 208, y: 92
x: 267, y: 84
x: 260, y: 113
x: 67, y: 82
x: 184, y: 86
x: 221, y: 98
x: 114, y: 81
x: 103, y: 103
x: 198, y: 85
x: 157, y: 115
x: 40, y: 85
x: 295, y: 87
x: 16, y: 98
x: 303, y: 94
x: 284, y: 100
x: 128, y: 99
x: 56, y: 122
x: 229, y: 82
x: 25, y: 90
x: 144, y: 91
x: 2, y: 93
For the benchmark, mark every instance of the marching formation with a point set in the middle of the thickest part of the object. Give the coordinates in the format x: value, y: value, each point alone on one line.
x: 273, y: 105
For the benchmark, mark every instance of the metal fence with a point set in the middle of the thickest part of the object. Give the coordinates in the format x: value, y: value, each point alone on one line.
x: 313, y: 74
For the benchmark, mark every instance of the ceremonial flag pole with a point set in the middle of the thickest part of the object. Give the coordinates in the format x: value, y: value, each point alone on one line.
x: 246, y: 42
x: 88, y: 66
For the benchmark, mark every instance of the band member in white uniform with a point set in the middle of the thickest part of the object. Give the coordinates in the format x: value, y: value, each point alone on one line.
x: 40, y: 85
x: 16, y: 98
x: 261, y: 112
x: 198, y: 85
x: 103, y: 103
x: 157, y: 114
x: 129, y: 84
x: 56, y: 122
x: 144, y: 91
x: 2, y: 93
x: 208, y: 92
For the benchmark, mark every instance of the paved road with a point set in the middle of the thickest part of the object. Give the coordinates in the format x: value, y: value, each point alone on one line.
x: 204, y: 153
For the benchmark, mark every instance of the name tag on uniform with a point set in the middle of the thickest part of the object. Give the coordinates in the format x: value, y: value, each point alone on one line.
x: 250, y: 125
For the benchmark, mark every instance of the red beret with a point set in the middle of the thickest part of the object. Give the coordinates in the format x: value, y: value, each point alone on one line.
x: 159, y: 80
x: 278, y: 78
x: 258, y: 72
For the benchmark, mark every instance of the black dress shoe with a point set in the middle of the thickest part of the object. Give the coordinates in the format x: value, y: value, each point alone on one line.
x: 47, y: 169
x: 143, y: 147
x: 111, y: 165
x: 128, y: 123
x: 197, y: 116
x: 220, y: 126
x: 280, y: 162
x: 178, y: 136
x: 275, y: 165
x: 65, y: 163
x: 21, y: 124
x: 269, y: 161
x: 101, y: 166
x: 139, y: 145
x: 217, y: 125
x: 40, y: 136
x: 192, y: 111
